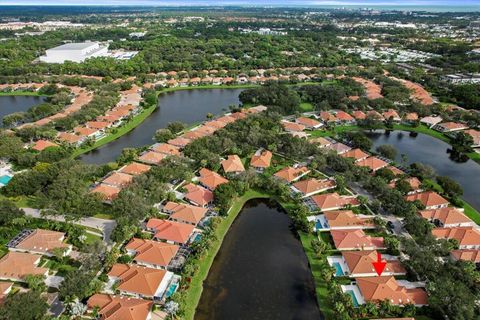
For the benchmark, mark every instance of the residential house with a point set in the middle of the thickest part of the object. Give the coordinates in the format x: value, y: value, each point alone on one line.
x: 411, y: 117
x: 170, y: 231
x: 334, y: 201
x: 151, y: 253
x: 431, y: 121
x: 310, y: 124
x: 198, y: 195
x: 16, y: 266
x: 472, y: 255
x: 41, y: 145
x: 292, y: 174
x: 179, y: 142
x: 430, y: 199
x: 111, y: 307
x: 372, y: 163
x: 152, y: 158
x: 391, y: 114
x: 414, y: 183
x: 356, y: 264
x: 339, y: 148
x: 39, y: 241
x: 355, y: 240
x: 261, y: 160
x: 210, y: 180
x: 292, y: 126
x: 448, y: 217
x: 185, y: 213
x: 107, y: 192
x: 88, y: 133
x: 70, y: 138
x: 321, y: 142
x: 475, y: 134
x: 356, y: 154
x: 233, y: 164
x: 346, y: 219
x: 118, y: 179
x: 344, y: 117
x: 450, y: 127
x: 359, y: 115
x: 166, y: 149
x: 135, y: 169
x: 467, y: 237
x: 309, y: 187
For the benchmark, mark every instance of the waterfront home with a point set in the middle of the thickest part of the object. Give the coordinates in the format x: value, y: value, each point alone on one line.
x: 233, y: 164
x: 107, y: 192
x: 411, y: 117
x: 111, y: 307
x: 414, y: 183
x: 472, y: 255
x: 151, y: 157
x: 447, y: 217
x: 135, y: 169
x: 333, y: 201
x: 467, y: 237
x: 98, y: 125
x: 261, y: 160
x: 355, y: 240
x: 450, y: 127
x: 194, y: 135
x: 321, y: 142
x: 292, y: 174
x: 375, y: 115
x: 41, y: 145
x: 310, y: 124
x: 198, y: 195
x: 226, y: 119
x: 170, y: 231
x: 359, y: 115
x: 215, y: 124
x: 185, y: 213
x: 139, y: 281
x: 5, y: 288
x: 39, y: 241
x: 475, y: 134
x: 430, y: 199
x: 118, y: 179
x: 114, y: 119
x: 356, y: 154
x: 344, y: 117
x: 151, y: 253
x: 391, y: 114
x: 357, y: 264
x: 377, y: 289
x: 431, y: 121
x: 166, y: 149
x: 16, y: 266
x: 70, y: 138
x: 339, y: 148
x: 341, y: 220
x: 210, y: 180
x: 372, y: 163
x: 310, y: 187
x: 397, y: 172
x: 88, y: 132
x: 206, y: 130
x: 292, y: 126
x: 179, y: 142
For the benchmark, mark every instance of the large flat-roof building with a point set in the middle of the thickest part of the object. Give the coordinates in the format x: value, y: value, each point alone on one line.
x: 75, y: 52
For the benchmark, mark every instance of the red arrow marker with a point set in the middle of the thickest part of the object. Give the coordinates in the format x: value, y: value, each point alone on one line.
x: 379, y: 265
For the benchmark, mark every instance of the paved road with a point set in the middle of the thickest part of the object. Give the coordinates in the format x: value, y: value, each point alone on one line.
x: 104, y: 225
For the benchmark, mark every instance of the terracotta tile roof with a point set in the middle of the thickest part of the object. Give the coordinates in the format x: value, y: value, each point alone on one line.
x: 412, y: 116
x: 107, y: 192
x: 226, y: 119
x: 215, y: 124
x: 135, y: 168
x: 120, y: 308
x: 359, y: 262
x: 472, y: 255
x: 84, y: 132
x: 418, y: 92
x: 347, y: 219
x: 372, y: 89
x: 118, y: 179
x: 449, y: 126
x: 428, y: 199
x: 333, y: 201
x: 292, y: 126
x: 322, y: 142
x: 373, y: 163
x: 152, y: 252
x: 238, y: 115
x: 355, y: 239
x: 44, y: 241
x: 5, y: 288
x: 68, y: 137
x: 338, y: 147
x: 356, y: 154
x: 374, y: 114
x: 194, y: 134
x: 396, y: 171
x: 206, y: 130
x: 343, y: 116
x: 17, y: 265
x: 137, y: 279
x: 99, y: 125
x: 166, y: 148
x: 41, y: 145
x: 475, y: 134
x: 447, y: 216
x: 327, y: 116
x: 390, y: 113
x: 233, y: 163
x: 108, y: 118
x: 307, y: 122
x: 386, y: 288
x: 431, y: 120
x: 170, y: 230
x: 152, y: 157
x: 466, y: 236
x: 359, y: 115
x: 261, y: 159
x: 185, y: 212
x: 414, y: 183
x: 120, y: 113
x: 314, y: 185
x: 290, y: 174
x: 198, y: 195
x: 179, y: 142
x: 211, y: 179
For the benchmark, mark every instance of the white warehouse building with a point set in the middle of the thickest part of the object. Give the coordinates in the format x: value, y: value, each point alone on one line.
x: 75, y: 52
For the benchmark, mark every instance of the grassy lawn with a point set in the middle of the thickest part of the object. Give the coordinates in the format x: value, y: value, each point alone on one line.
x: 306, y: 106
x: 106, y: 216
x: 423, y: 129
x: 194, y: 292
x: 120, y: 131
x: 210, y: 86
x: 21, y: 93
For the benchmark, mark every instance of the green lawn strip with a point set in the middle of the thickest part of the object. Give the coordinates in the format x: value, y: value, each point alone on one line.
x: 22, y: 93
x: 316, y: 268
x: 120, y: 131
x: 194, y: 291
x: 306, y: 106
x: 210, y: 86
x: 471, y: 212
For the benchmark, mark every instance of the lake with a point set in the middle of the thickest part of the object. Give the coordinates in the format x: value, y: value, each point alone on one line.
x: 11, y: 104
x: 187, y: 106
x: 260, y: 272
x: 429, y: 150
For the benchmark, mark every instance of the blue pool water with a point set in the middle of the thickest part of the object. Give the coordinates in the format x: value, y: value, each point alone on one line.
x: 355, y: 302
x: 171, y: 290
x: 338, y: 269
x: 318, y: 225
x: 198, y: 236
x: 5, y: 180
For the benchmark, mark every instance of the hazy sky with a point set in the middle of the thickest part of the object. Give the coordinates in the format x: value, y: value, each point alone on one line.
x: 245, y: 2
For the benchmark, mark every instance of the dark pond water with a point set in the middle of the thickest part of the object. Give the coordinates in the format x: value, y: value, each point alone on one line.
x: 431, y: 151
x: 187, y: 106
x: 11, y: 104
x: 261, y: 271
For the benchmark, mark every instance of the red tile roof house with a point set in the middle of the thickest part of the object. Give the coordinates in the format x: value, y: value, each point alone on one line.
x: 475, y: 134
x: 321, y: 142
x: 39, y: 241
x: 41, y: 145
x: 185, y: 213
x: 430, y: 199
x: 166, y: 149
x: 179, y: 142
x: 292, y: 174
x: 139, y: 281
x: 5, y: 288
x: 152, y: 158
x: 467, y: 237
x: 152, y: 254
x: 357, y: 264
x: 376, y: 289
x: 356, y: 154
x: 390, y: 113
x: 261, y: 160
x: 15, y: 266
x: 431, y: 121
x: 310, y: 187
x: 112, y: 307
x: 372, y: 163
x: 233, y: 164
x: 339, y: 148
x: 346, y: 240
x: 70, y: 138
x: 118, y: 179
x: 107, y: 193
x: 450, y: 126
x: 334, y: 201
x: 135, y: 169
x: 170, y: 231
x: 472, y: 255
x: 447, y: 217
x: 411, y: 117
x: 344, y: 220
x: 414, y: 183
x: 344, y: 117
x: 292, y: 126
x: 310, y: 124
x: 198, y: 195
x: 210, y: 180
x: 359, y: 115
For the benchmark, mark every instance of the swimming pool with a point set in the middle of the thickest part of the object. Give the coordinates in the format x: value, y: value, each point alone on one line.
x: 197, y: 237
x: 5, y: 179
x: 338, y: 269
x: 354, y: 298
x: 318, y: 225
x: 171, y: 290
